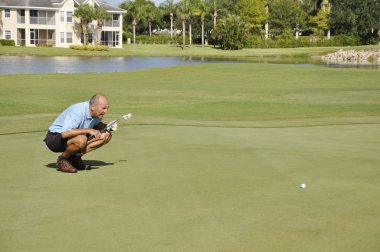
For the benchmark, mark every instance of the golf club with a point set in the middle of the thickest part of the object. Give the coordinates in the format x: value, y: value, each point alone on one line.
x: 109, y: 126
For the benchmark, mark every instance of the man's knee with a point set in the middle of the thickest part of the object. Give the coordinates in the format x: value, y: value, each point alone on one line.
x: 80, y: 141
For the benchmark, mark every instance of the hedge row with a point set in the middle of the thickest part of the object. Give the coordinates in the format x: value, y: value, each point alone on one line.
x: 302, y: 41
x: 259, y: 42
x: 155, y: 39
x: 90, y: 47
x: 7, y: 42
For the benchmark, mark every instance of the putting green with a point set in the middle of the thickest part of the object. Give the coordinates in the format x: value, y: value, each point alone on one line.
x: 229, y: 181
x: 171, y: 188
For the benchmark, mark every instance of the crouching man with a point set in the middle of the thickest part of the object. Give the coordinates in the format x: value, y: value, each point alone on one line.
x: 77, y: 131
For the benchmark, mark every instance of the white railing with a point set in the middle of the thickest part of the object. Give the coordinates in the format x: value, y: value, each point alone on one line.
x: 42, y: 20
x: 20, y: 20
x: 112, y: 23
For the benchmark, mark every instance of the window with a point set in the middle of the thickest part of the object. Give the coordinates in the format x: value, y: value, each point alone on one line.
x: 69, y: 37
x: 62, y: 15
x: 7, y: 34
x: 62, y: 37
x: 7, y: 13
x: 69, y: 17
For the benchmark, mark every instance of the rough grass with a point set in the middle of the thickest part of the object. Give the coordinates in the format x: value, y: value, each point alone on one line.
x: 211, y: 161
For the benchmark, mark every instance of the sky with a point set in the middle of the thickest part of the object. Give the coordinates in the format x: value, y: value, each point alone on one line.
x: 118, y: 2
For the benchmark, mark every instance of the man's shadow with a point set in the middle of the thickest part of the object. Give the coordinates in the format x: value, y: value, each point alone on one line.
x: 94, y: 164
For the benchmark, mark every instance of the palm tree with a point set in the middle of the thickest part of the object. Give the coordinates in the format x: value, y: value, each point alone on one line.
x: 201, y: 11
x: 135, y: 12
x: 85, y: 13
x: 183, y: 10
x: 100, y: 15
x: 170, y: 7
x: 151, y: 13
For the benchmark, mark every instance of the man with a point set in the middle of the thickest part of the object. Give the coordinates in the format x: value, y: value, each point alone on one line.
x: 70, y: 132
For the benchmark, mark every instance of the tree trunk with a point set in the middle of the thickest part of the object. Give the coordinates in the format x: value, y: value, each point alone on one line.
x: 150, y: 28
x: 183, y: 34
x: 171, y: 25
x: 215, y: 15
x: 203, y: 32
x: 134, y: 34
x: 190, y: 35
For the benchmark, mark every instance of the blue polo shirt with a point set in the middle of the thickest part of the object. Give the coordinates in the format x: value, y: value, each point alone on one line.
x: 77, y: 116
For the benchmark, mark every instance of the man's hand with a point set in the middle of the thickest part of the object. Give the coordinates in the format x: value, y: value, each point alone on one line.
x: 112, y: 126
x: 95, y: 133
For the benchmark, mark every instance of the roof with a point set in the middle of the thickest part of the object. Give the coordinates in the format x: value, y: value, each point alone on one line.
x: 55, y: 4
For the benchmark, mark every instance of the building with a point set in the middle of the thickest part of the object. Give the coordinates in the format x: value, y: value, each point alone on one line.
x: 51, y: 22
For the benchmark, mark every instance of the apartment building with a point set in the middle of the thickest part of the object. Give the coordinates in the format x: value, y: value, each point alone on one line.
x: 51, y: 22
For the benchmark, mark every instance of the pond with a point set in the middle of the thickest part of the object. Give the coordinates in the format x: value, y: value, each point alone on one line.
x: 62, y: 64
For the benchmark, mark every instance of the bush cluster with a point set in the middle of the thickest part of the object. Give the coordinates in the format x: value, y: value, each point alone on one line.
x: 7, y: 42
x: 155, y: 39
x: 44, y: 45
x: 90, y: 47
x: 302, y: 41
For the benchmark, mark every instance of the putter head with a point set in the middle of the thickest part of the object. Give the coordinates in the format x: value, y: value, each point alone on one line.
x: 127, y: 116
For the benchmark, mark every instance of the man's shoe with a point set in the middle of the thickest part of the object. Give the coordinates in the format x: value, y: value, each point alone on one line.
x: 65, y: 166
x: 77, y: 162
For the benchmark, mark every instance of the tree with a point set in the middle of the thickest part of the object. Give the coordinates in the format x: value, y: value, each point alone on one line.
x: 252, y: 12
x: 183, y: 13
x: 285, y: 16
x: 100, y: 15
x: 170, y: 7
x: 201, y: 10
x: 355, y: 17
x: 231, y: 32
x: 135, y: 13
x: 85, y: 13
x: 320, y: 22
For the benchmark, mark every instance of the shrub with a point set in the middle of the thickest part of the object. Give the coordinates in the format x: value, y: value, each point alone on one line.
x: 231, y: 33
x: 154, y: 39
x: 302, y: 41
x: 7, y: 42
x: 90, y: 47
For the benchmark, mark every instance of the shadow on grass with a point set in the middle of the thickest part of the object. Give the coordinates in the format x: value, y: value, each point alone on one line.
x: 95, y: 164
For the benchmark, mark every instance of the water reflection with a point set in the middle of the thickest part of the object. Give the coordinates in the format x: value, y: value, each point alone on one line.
x: 62, y: 64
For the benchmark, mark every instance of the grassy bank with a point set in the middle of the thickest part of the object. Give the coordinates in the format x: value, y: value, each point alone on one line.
x: 173, y: 50
x: 212, y: 160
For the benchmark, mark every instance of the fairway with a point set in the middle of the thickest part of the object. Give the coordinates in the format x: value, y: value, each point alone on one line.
x: 212, y: 160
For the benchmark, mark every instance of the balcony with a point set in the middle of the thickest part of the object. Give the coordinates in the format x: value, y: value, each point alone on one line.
x: 21, y: 20
x: 42, y: 20
x: 112, y: 23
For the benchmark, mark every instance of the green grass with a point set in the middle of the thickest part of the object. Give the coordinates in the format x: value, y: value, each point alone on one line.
x: 174, y: 50
x: 211, y: 161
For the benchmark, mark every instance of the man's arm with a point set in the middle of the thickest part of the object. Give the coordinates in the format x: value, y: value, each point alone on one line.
x: 76, y: 132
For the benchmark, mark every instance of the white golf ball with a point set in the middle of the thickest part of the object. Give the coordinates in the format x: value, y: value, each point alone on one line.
x: 303, y: 186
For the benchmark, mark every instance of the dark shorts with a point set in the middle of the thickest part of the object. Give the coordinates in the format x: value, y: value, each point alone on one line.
x: 55, y: 142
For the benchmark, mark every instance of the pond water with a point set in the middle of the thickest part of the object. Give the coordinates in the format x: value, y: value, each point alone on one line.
x: 62, y: 64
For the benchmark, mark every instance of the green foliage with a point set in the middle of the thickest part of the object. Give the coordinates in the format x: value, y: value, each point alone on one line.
x: 44, y: 45
x: 7, y: 42
x: 90, y: 47
x: 252, y: 12
x: 154, y: 39
x: 356, y: 17
x: 231, y: 33
x: 284, y: 15
x: 302, y: 41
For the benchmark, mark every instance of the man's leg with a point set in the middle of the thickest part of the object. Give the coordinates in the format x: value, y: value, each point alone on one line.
x: 75, y: 145
x: 98, y: 142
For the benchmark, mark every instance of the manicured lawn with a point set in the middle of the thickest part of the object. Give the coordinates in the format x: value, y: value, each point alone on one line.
x: 175, y: 50
x: 211, y: 161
